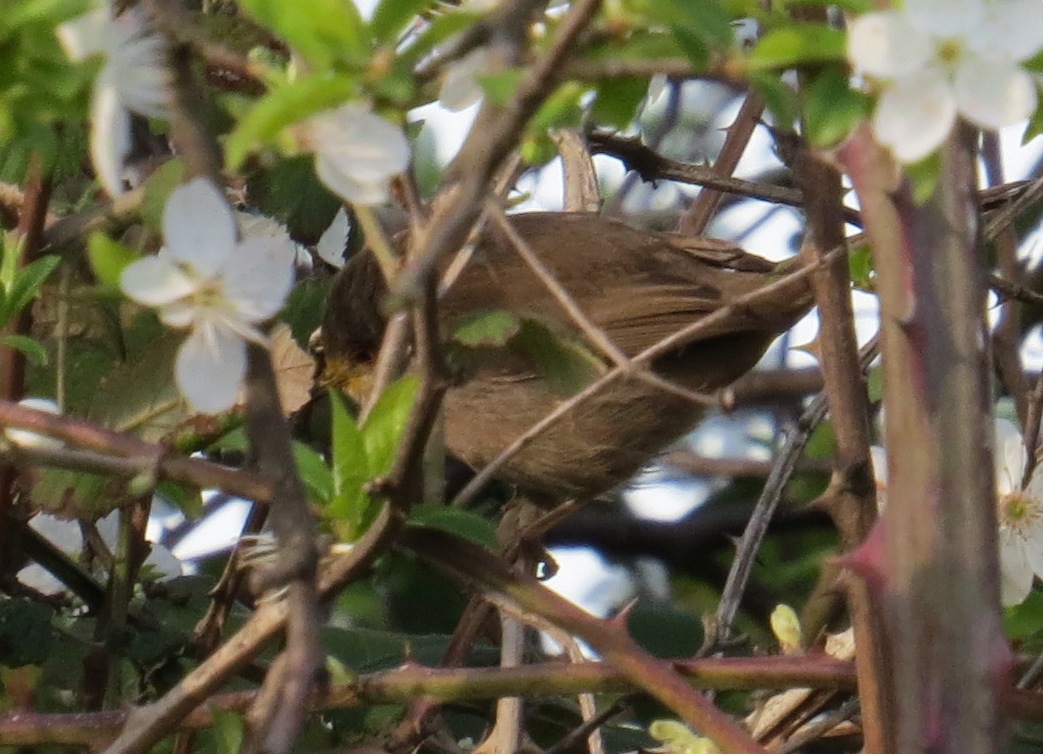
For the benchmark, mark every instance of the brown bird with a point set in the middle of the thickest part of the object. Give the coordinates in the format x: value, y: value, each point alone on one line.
x: 636, y: 286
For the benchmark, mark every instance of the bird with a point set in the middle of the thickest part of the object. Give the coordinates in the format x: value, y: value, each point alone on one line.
x: 636, y: 286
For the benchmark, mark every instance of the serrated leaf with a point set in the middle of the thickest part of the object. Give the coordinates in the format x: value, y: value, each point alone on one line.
x: 320, y: 31
x: 139, y: 394
x: 289, y: 192
x: 832, y: 108
x: 391, y: 17
x: 797, y: 45
x: 283, y: 106
x: 386, y: 421
x: 108, y: 258
x: 33, y: 351
x: 467, y: 524
x: 316, y: 475
x: 486, y: 328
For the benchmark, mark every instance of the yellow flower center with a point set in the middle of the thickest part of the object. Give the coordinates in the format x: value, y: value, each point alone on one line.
x: 1018, y: 510
x: 950, y: 51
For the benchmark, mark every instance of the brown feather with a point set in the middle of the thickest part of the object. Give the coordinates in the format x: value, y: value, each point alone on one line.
x: 638, y: 287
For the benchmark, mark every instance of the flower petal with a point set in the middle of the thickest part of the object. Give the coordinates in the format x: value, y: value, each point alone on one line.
x: 156, y: 281
x: 460, y: 88
x: 198, y: 226
x: 86, y: 35
x: 1009, y: 456
x: 993, y: 94
x: 210, y: 367
x: 884, y: 45
x: 137, y: 65
x: 914, y: 116
x: 947, y: 19
x: 1010, y: 31
x: 1015, y: 573
x: 357, y: 152
x: 110, y: 138
x: 259, y: 276
x: 180, y: 314
x: 334, y: 240
x: 341, y: 183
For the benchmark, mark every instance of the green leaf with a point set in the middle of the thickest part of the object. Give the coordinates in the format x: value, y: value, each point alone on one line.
x: 705, y: 20
x: 440, y: 29
x: 467, y: 524
x: 1022, y: 621
x: 499, y: 87
x: 832, y: 108
x: 27, y: 284
x: 289, y: 192
x: 350, y: 473
x: 494, y: 327
x: 391, y: 17
x: 228, y: 730
x: 320, y: 31
x: 860, y: 267
x: 139, y: 395
x: 617, y: 101
x: 778, y: 97
x: 797, y: 45
x: 108, y: 258
x: 566, y: 364
x: 386, y: 421
x: 852, y: 6
x: 157, y: 191
x: 186, y: 499
x: 283, y: 106
x: 562, y: 108
x: 316, y: 475
x: 34, y: 352
x: 26, y: 635
x: 924, y: 176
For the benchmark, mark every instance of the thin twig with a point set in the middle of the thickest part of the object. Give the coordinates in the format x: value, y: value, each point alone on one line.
x: 752, y: 537
x: 697, y: 217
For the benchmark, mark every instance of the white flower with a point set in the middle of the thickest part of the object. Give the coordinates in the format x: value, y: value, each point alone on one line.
x: 67, y: 537
x: 334, y: 240
x: 356, y: 152
x: 936, y: 59
x: 1019, y: 511
x: 460, y: 88
x: 28, y: 439
x: 133, y: 78
x: 218, y: 288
